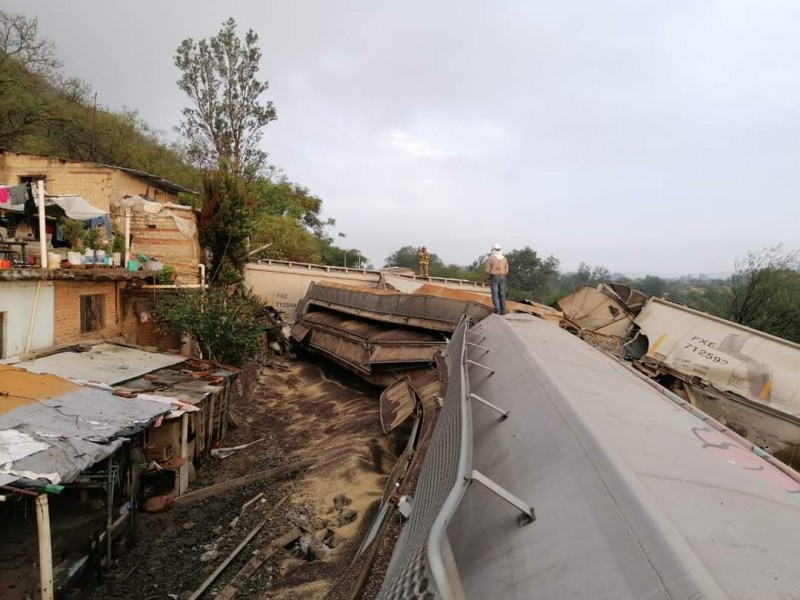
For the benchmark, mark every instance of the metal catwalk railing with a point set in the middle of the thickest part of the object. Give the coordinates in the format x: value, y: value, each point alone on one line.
x: 423, y: 565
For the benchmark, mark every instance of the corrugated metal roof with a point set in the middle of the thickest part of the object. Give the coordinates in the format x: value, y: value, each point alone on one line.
x: 80, y: 425
x: 104, y: 363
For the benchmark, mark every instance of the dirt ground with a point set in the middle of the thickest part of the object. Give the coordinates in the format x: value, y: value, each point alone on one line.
x: 303, y: 410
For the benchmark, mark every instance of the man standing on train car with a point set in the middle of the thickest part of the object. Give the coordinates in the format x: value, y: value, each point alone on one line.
x: 497, y: 269
x: 424, y: 258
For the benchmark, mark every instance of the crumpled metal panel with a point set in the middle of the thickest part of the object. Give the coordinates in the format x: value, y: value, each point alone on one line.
x: 367, y: 348
x: 430, y: 312
x: 397, y: 404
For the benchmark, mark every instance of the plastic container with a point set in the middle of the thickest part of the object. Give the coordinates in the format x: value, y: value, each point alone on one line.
x: 133, y: 265
x: 75, y: 258
x: 53, y: 260
x: 153, y: 265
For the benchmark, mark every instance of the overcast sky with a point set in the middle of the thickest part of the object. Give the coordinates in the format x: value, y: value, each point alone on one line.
x: 644, y: 136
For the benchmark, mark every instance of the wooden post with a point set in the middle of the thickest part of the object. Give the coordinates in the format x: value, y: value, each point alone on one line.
x: 109, y: 507
x: 184, y: 435
x: 45, y: 549
x: 211, y: 425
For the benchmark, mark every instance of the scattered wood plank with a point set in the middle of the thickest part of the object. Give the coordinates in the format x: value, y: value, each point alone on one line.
x: 199, y: 591
x: 252, y: 501
x: 234, y: 483
x: 254, y: 564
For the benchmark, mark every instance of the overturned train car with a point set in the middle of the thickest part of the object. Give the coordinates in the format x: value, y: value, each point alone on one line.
x: 555, y: 471
x: 747, y: 379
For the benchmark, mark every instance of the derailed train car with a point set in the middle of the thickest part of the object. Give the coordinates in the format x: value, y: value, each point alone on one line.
x: 747, y: 379
x: 556, y: 471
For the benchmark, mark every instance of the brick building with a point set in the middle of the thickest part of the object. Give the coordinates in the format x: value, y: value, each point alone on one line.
x: 97, y: 183
x: 168, y: 234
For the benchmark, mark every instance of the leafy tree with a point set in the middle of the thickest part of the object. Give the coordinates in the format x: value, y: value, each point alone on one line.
x: 530, y: 276
x: 765, y: 292
x: 225, y: 226
x: 57, y: 116
x: 286, y: 238
x: 406, y: 257
x: 22, y: 102
x: 652, y: 286
x: 229, y: 328
x: 344, y: 257
x: 225, y: 121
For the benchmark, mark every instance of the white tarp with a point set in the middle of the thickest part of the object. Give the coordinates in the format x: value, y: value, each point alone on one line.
x: 15, y: 445
x: 138, y: 203
x: 76, y: 207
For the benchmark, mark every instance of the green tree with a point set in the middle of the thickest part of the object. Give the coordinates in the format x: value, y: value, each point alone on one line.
x: 406, y: 257
x: 22, y: 103
x: 285, y: 239
x: 225, y: 226
x: 229, y: 328
x: 226, y: 119
x: 529, y: 276
x: 765, y: 292
x: 652, y: 286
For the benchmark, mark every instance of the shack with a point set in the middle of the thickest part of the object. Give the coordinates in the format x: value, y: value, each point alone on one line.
x: 68, y: 476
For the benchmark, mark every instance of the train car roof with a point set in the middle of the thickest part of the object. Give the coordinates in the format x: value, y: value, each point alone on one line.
x: 635, y: 497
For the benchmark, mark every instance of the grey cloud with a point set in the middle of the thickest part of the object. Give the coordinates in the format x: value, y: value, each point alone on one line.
x: 645, y: 136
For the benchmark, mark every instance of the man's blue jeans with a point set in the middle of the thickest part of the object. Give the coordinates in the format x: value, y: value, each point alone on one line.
x: 498, y: 285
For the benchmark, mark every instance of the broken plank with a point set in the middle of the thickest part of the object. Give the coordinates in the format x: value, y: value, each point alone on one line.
x: 199, y: 591
x: 255, y: 563
x: 234, y: 483
x: 253, y: 500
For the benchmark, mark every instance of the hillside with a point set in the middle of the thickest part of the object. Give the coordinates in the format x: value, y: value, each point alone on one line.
x: 50, y: 115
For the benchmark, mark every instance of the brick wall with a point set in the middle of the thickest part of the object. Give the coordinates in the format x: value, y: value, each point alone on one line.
x: 67, y: 305
x: 157, y: 235
x: 99, y: 185
x: 138, y: 326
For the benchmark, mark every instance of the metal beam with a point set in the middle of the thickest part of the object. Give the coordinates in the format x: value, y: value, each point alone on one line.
x: 494, y: 407
x: 477, y: 364
x: 527, y: 515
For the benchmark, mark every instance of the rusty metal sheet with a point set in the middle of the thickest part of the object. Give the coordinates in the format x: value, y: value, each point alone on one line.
x: 403, y: 354
x: 413, y: 310
x: 368, y: 332
x: 547, y: 313
x: 347, y: 350
x: 300, y: 331
x: 373, y: 351
x: 398, y: 402
x: 597, y: 309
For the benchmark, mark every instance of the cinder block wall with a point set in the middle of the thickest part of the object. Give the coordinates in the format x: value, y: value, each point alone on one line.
x: 138, y: 325
x: 67, y: 304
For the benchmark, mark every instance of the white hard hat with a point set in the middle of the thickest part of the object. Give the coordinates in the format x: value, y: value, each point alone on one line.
x: 496, y: 247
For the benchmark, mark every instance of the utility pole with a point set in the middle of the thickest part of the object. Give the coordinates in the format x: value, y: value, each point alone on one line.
x: 94, y: 126
x: 344, y: 235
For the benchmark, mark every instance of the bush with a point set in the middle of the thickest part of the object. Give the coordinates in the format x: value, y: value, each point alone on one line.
x: 229, y: 328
